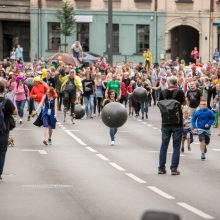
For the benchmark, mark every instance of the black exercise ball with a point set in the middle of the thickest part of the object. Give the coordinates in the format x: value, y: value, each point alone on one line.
x: 114, y: 115
x: 79, y: 111
x: 140, y: 94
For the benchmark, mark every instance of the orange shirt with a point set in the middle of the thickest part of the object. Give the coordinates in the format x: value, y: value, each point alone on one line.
x: 39, y: 90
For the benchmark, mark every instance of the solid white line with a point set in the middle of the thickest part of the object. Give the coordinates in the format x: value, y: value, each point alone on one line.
x: 160, y: 192
x: 216, y: 149
x: 73, y: 130
x: 91, y: 149
x: 194, y: 210
x: 47, y: 186
x: 42, y: 152
x: 137, y: 179
x: 102, y: 157
x: 75, y: 137
x: 116, y: 166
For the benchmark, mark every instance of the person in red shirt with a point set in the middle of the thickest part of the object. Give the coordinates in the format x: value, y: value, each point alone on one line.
x: 194, y: 54
x: 38, y: 91
x: 123, y: 91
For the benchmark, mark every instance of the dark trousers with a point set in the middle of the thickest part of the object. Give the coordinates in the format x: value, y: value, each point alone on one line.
x: 176, y: 133
x: 69, y: 101
x: 210, y: 94
x: 3, y: 149
x: 30, y: 106
x: 60, y: 98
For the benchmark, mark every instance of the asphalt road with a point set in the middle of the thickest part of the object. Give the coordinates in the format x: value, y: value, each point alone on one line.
x: 82, y: 177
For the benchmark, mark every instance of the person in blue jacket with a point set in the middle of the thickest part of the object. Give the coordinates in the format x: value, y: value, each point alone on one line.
x: 202, y: 121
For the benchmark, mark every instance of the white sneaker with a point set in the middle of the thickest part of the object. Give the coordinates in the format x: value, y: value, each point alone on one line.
x: 20, y: 121
x: 112, y: 143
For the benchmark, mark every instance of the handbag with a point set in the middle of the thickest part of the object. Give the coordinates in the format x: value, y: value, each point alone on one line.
x: 38, y: 122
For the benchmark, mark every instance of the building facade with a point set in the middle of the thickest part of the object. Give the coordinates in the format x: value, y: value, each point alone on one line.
x: 170, y: 28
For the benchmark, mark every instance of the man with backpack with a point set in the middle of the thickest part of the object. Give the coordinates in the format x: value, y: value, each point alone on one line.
x: 170, y: 102
x: 6, y: 109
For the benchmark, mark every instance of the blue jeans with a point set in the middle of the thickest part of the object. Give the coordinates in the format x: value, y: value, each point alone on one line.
x: 89, y: 104
x: 113, y: 131
x: 20, y: 106
x: 144, y: 107
x: 176, y: 132
x: 3, y: 149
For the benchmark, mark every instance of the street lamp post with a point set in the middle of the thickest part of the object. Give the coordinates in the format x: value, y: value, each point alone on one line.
x: 211, y: 29
x: 155, y: 11
x: 109, y: 42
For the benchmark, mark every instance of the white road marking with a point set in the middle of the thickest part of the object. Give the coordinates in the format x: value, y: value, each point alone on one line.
x: 102, y: 157
x: 47, y: 186
x: 75, y: 137
x: 216, y: 149
x: 144, y: 123
x: 73, y: 130
x: 123, y: 131
x: 42, y: 152
x: 155, y: 128
x: 63, y: 128
x: 116, y: 166
x: 153, y: 151
x: 195, y: 210
x: 91, y: 149
x: 139, y: 120
x: 160, y: 192
x: 149, y: 125
x: 31, y: 150
x: 137, y: 179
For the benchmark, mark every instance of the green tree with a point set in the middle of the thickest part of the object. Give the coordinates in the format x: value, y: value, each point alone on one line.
x: 66, y: 17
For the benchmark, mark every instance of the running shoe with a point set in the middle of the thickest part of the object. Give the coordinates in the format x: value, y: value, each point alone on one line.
x: 45, y: 142
x: 112, y: 143
x: 49, y: 141
x: 175, y: 172
x: 29, y: 118
x: 203, y: 156
x: 162, y: 171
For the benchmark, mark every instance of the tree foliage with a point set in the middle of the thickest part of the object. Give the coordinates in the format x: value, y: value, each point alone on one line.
x: 66, y: 17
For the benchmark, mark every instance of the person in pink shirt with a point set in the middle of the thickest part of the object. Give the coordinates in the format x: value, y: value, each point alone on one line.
x: 195, y: 54
x: 21, y: 92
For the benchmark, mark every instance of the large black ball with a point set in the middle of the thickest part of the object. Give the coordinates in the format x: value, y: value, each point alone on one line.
x: 114, y: 115
x: 79, y: 111
x: 140, y: 94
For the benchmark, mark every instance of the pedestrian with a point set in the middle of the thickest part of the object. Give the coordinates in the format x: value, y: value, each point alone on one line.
x: 113, y: 84
x: 187, y: 131
x: 148, y: 58
x: 7, y: 109
x: 111, y: 97
x: 99, y: 86
x: 194, y: 54
x: 216, y: 55
x: 202, y: 121
x: 49, y: 114
x: 13, y: 55
x: 170, y: 101
x: 19, y: 53
x: 21, y: 92
x: 77, y: 50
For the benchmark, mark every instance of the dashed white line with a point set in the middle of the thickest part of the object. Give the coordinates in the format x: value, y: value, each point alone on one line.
x: 91, y: 149
x: 116, y: 166
x: 160, y: 192
x: 216, y: 149
x: 195, y: 210
x: 42, y: 152
x: 75, y: 137
x: 102, y: 157
x: 137, y: 179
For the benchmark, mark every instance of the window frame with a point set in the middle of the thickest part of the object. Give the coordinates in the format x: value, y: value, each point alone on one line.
x: 184, y: 1
x: 113, y: 41
x: 79, y: 32
x: 48, y: 37
x: 141, y: 50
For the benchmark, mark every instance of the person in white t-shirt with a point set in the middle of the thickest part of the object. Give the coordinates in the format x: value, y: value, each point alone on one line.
x: 77, y: 51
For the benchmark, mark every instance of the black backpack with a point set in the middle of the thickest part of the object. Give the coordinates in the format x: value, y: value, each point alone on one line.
x: 2, y: 116
x: 170, y: 109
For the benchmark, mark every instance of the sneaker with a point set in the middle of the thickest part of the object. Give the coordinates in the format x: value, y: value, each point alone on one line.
x: 112, y: 143
x: 146, y: 116
x: 175, y: 172
x: 29, y: 118
x: 205, y: 151
x: 45, y: 142
x: 182, y: 149
x: 20, y: 121
x: 49, y: 141
x: 203, y: 156
x: 162, y: 171
x: 142, y: 117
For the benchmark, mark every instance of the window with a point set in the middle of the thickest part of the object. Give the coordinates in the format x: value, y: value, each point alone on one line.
x: 184, y: 1
x: 53, y: 36
x: 115, y: 38
x: 83, y: 35
x: 144, y: 1
x: 142, y: 38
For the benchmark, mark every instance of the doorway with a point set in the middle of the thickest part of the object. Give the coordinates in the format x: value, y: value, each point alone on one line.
x: 183, y: 40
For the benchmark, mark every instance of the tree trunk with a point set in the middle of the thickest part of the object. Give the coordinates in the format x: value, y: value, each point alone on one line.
x: 65, y: 44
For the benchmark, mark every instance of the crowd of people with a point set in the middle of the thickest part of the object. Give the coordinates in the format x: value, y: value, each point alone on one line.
x: 55, y: 86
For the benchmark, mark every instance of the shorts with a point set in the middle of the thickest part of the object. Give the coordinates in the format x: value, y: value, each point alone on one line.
x: 204, y: 137
x: 188, y: 131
